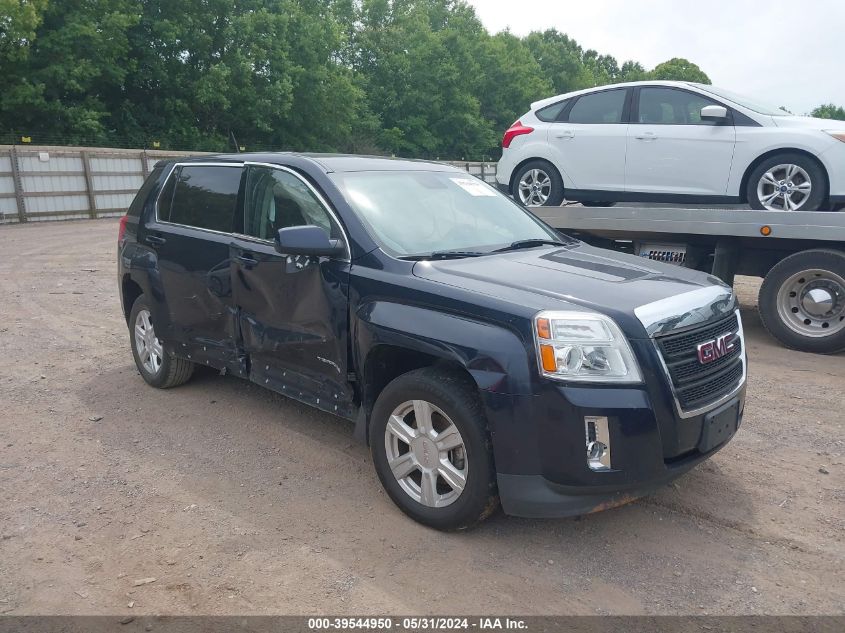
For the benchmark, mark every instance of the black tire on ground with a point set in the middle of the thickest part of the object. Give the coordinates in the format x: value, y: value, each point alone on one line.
x: 173, y: 372
x: 818, y: 179
x: 590, y: 203
x: 456, y: 395
x: 556, y: 192
x: 829, y: 260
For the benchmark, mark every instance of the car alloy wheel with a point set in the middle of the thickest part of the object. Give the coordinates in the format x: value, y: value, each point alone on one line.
x: 784, y: 187
x: 150, y: 351
x: 534, y: 188
x: 426, y: 453
x: 812, y: 303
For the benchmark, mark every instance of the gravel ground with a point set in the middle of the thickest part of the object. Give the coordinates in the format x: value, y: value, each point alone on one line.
x: 220, y: 497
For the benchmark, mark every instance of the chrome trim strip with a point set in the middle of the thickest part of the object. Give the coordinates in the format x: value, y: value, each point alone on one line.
x: 713, y: 405
x: 686, y: 310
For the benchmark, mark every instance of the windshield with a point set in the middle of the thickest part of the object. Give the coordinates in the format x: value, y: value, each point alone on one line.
x: 745, y: 102
x: 416, y: 213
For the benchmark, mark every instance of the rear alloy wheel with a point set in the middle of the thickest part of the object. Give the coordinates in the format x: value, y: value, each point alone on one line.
x: 802, y: 301
x: 787, y: 182
x: 156, y: 365
x: 538, y: 184
x: 432, y: 450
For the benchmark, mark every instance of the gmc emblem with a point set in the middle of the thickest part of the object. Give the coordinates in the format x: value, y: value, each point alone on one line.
x: 715, y: 349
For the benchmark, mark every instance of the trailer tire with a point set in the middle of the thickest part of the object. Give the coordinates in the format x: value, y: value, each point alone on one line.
x: 802, y: 301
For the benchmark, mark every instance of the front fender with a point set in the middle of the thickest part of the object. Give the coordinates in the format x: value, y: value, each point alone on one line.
x: 495, y: 357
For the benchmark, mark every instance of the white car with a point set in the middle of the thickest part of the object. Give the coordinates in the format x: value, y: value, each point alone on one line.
x: 671, y: 141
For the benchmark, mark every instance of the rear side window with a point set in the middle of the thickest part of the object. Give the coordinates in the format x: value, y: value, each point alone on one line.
x: 551, y: 112
x: 205, y: 197
x: 600, y: 107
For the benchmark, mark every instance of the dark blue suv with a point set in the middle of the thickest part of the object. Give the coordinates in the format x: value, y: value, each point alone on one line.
x: 482, y: 355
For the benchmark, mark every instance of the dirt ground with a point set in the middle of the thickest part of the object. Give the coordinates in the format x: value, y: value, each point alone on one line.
x: 236, y: 500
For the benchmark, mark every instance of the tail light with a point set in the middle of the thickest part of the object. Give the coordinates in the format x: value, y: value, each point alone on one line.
x: 121, y: 229
x: 513, y: 131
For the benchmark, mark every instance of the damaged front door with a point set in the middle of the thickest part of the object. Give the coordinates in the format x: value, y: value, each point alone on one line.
x: 292, y: 310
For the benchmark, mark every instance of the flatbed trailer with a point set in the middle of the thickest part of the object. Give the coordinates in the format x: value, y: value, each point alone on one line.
x: 800, y: 255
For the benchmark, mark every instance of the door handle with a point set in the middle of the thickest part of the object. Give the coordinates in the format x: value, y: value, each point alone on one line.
x: 155, y: 240
x: 565, y: 134
x: 646, y: 136
x: 247, y: 261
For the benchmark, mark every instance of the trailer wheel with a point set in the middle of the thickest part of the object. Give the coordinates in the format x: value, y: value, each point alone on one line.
x: 802, y: 301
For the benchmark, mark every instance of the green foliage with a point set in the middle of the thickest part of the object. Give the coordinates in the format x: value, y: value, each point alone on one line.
x: 410, y: 77
x: 829, y: 111
x: 679, y: 69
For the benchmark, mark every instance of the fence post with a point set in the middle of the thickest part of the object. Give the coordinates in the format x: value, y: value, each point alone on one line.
x: 16, y: 179
x: 144, y: 169
x: 89, y: 186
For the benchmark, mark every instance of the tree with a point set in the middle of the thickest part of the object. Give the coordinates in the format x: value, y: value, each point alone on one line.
x: 679, y: 69
x: 829, y: 111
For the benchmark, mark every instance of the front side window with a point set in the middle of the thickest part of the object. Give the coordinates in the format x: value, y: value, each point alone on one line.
x: 205, y: 197
x: 277, y: 199
x: 599, y: 107
x: 666, y: 106
x: 414, y: 213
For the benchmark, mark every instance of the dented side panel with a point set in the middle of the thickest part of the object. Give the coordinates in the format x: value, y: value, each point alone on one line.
x: 292, y: 315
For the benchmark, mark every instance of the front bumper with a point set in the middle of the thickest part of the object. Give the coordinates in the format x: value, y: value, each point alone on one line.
x: 540, y: 454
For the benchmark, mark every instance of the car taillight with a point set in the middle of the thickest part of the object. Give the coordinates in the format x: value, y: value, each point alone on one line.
x: 121, y: 229
x: 513, y: 131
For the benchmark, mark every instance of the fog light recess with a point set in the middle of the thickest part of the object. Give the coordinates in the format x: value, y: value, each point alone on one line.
x: 598, y: 442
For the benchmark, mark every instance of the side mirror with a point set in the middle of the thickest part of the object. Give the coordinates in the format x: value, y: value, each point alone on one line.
x: 714, y: 112
x: 307, y: 240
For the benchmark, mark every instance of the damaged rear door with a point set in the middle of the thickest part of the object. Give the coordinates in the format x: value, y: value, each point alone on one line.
x: 292, y: 310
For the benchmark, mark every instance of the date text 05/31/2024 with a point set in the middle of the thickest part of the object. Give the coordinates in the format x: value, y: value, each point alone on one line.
x: 417, y: 623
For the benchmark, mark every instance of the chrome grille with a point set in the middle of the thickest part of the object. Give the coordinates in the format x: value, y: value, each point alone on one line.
x: 696, y: 384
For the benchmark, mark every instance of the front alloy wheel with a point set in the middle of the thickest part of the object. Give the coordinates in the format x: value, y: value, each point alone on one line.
x: 787, y: 182
x: 785, y: 187
x: 432, y: 449
x: 426, y: 453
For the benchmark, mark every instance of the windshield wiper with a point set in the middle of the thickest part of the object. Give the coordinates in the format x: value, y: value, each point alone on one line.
x: 444, y: 255
x: 528, y: 244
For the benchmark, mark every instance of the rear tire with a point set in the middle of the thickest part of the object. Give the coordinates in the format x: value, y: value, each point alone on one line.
x: 538, y: 184
x: 156, y: 364
x: 787, y: 182
x: 441, y: 474
x: 802, y: 301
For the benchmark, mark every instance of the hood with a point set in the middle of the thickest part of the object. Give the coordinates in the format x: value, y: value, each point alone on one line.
x: 809, y: 122
x: 580, y: 277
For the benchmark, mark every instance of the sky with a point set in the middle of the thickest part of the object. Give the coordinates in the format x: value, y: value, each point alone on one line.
x: 783, y: 53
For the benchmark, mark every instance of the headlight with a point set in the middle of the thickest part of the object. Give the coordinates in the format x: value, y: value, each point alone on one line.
x: 839, y: 135
x: 583, y: 347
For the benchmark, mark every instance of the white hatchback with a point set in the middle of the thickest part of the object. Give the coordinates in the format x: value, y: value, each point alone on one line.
x: 670, y: 141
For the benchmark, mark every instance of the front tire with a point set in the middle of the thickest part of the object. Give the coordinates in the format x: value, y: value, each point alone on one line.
x: 432, y: 451
x: 802, y: 301
x: 157, y: 366
x: 787, y: 182
x: 538, y: 184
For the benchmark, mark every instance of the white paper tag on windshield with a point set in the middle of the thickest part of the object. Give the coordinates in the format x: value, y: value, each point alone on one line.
x: 473, y: 186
